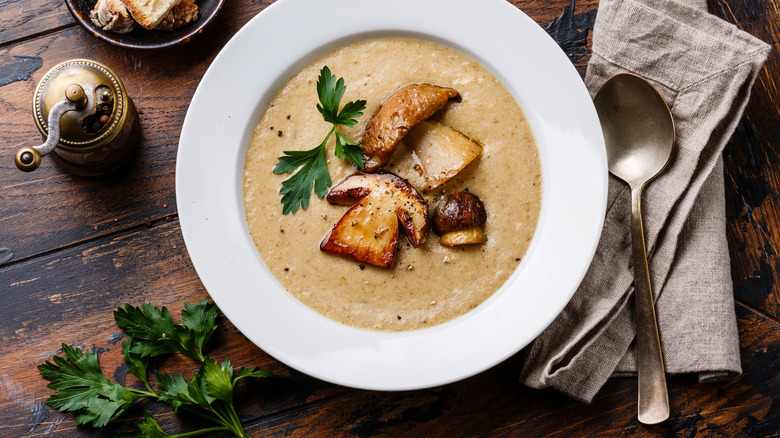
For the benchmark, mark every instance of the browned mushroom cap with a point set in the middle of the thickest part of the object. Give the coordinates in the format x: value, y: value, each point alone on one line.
x: 459, y: 218
x: 368, y: 231
x: 398, y: 114
x: 459, y: 211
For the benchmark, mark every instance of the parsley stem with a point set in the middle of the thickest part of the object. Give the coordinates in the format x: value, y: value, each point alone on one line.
x: 142, y: 393
x: 223, y: 419
x: 327, y: 137
x: 202, y: 413
x: 219, y: 419
x: 231, y: 417
x: 198, y: 432
x: 232, y: 411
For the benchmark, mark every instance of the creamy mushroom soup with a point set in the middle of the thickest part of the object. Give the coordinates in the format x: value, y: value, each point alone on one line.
x: 427, y: 285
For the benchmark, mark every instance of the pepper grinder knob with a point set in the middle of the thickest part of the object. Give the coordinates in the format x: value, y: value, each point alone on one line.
x: 29, y: 158
x: 75, y: 93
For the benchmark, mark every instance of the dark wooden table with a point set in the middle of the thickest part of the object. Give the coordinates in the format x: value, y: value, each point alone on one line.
x: 74, y: 249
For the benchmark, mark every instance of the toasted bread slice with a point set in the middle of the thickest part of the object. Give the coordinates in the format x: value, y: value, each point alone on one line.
x: 112, y: 15
x: 184, y: 13
x: 149, y: 13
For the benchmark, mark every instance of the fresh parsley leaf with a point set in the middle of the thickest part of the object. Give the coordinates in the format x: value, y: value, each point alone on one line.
x: 171, y: 389
x: 82, y: 387
x: 311, y: 166
x: 292, y: 160
x: 150, y: 329
x: 330, y: 91
x: 149, y: 428
x: 253, y: 372
x: 348, y: 150
x: 219, y: 379
x: 152, y: 332
x: 138, y: 363
x: 200, y: 319
x: 209, y: 394
x: 351, y: 111
x: 296, y: 190
x: 194, y: 393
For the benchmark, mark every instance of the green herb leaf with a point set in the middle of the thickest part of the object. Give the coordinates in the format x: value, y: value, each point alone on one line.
x: 138, y: 363
x: 152, y: 332
x: 292, y: 160
x: 348, y: 150
x: 171, y: 389
x: 351, y: 111
x: 330, y: 91
x: 311, y: 165
x: 82, y: 387
x: 150, y: 329
x: 200, y: 319
x: 219, y: 379
x: 253, y: 372
x: 296, y: 190
x: 176, y: 391
x: 149, y: 428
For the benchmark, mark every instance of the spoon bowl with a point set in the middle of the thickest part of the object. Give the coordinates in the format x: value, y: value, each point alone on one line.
x: 638, y: 128
x: 639, y: 135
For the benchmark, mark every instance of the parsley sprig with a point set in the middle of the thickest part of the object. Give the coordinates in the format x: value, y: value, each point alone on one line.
x: 312, y: 164
x: 81, y: 386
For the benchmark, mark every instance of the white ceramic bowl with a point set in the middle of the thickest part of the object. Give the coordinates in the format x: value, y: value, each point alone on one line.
x: 258, y: 61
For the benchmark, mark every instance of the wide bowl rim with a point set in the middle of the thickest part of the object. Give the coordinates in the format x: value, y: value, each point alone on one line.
x: 209, y: 196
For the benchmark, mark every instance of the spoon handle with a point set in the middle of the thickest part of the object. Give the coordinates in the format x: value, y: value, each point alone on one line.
x: 653, y: 397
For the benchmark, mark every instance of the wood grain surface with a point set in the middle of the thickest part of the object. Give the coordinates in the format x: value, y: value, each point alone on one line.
x: 753, y: 167
x: 23, y: 19
x: 73, y: 249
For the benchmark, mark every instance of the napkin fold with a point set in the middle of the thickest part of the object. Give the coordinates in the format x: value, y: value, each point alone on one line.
x: 705, y: 69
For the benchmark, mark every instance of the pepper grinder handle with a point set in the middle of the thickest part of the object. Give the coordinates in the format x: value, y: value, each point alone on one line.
x: 29, y: 158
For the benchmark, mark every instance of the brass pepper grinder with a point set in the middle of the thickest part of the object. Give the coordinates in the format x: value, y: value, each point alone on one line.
x: 89, y: 124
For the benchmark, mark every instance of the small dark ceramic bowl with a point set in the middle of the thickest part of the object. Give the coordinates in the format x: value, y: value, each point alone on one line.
x: 140, y: 38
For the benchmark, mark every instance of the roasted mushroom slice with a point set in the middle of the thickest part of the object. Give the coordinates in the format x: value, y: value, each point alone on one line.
x: 397, y: 115
x: 368, y: 231
x: 442, y: 151
x: 458, y: 219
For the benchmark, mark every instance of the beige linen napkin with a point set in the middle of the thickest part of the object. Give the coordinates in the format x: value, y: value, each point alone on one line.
x: 704, y: 68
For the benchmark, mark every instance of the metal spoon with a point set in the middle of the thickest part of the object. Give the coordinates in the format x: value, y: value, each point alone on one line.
x: 639, y: 134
